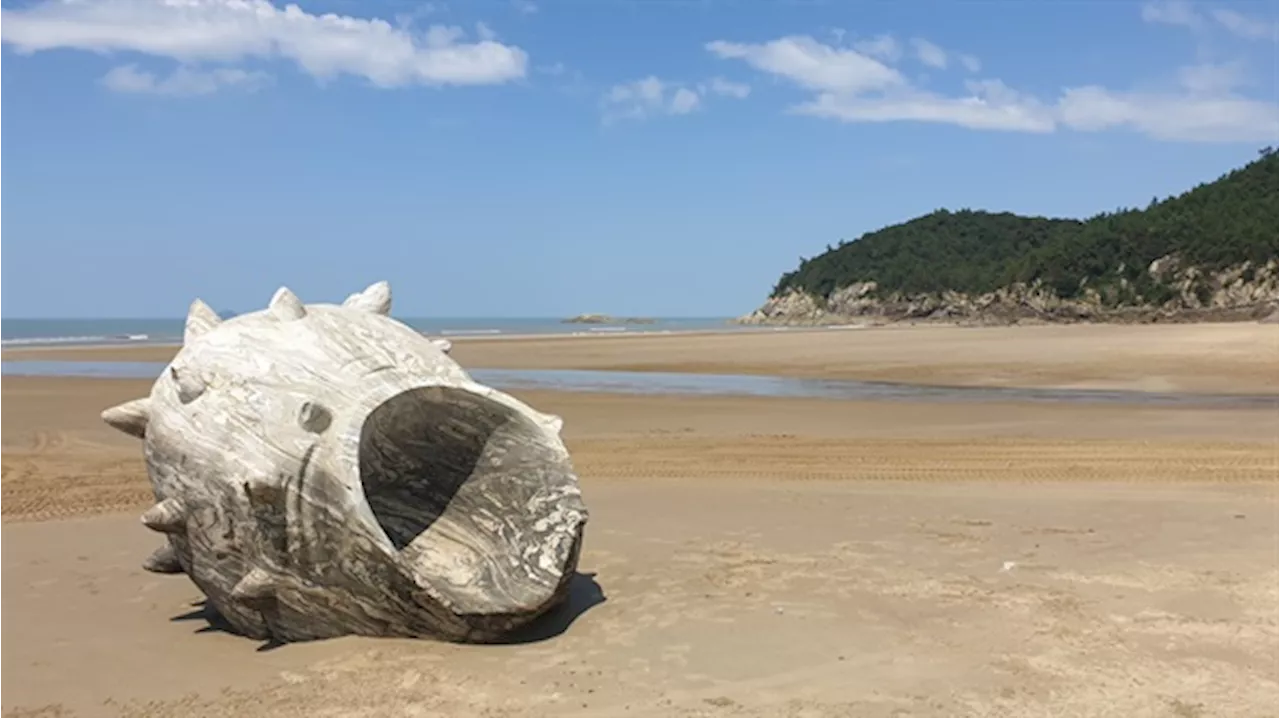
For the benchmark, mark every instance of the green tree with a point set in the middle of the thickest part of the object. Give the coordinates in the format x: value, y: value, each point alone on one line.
x: 1225, y: 222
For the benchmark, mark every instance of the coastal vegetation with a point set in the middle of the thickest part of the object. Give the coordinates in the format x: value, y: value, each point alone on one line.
x: 1138, y: 257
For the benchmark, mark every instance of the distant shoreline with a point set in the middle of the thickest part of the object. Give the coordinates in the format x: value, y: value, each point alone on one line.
x: 565, y: 329
x: 69, y: 347
x: 1222, y: 358
x: 117, y: 333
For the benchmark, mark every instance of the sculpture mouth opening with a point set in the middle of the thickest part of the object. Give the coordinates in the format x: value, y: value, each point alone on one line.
x: 423, y: 447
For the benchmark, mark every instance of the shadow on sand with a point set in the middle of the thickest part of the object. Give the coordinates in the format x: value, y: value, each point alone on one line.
x: 584, y: 594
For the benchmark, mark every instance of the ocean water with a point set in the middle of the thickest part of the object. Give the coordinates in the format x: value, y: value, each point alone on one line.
x: 659, y: 383
x: 44, y: 332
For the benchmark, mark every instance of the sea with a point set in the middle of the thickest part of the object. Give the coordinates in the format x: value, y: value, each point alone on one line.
x: 91, y: 332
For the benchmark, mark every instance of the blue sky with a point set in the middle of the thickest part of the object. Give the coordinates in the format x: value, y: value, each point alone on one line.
x: 552, y: 157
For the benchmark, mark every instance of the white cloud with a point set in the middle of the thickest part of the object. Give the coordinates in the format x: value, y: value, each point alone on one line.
x: 812, y: 64
x: 647, y: 97
x: 1212, y: 78
x: 183, y: 81
x: 1172, y: 12
x: 929, y: 53
x: 854, y: 87
x: 525, y: 7
x: 228, y: 31
x: 1242, y: 25
x: 684, y: 101
x: 725, y: 88
x: 1188, y: 118
x: 1182, y: 13
x: 1204, y: 105
x: 989, y: 105
x: 651, y: 96
x: 418, y: 11
x: 883, y: 47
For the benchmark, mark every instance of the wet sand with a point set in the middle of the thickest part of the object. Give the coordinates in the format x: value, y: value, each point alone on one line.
x: 60, y: 460
x: 1227, y: 358
x: 745, y: 557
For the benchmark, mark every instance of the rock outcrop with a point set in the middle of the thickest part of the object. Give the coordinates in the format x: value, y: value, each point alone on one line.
x: 606, y: 319
x: 1187, y: 294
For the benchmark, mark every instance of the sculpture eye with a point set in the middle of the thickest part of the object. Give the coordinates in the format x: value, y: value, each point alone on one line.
x: 314, y: 418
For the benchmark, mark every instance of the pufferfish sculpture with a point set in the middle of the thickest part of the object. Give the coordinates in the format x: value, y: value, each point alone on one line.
x: 323, y: 470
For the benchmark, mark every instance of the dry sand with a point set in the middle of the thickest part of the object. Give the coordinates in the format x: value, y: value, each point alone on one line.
x: 745, y: 557
x: 1239, y: 357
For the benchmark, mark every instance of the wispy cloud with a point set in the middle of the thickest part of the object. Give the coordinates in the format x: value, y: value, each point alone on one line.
x: 1210, y: 78
x: 812, y: 64
x: 969, y: 62
x: 1184, y: 14
x: 883, y: 47
x: 889, y: 49
x: 988, y: 105
x: 862, y: 84
x: 723, y: 87
x: 684, y: 101
x: 1172, y: 12
x: 226, y: 32
x: 929, y: 53
x: 183, y: 81
x: 651, y: 96
x: 1242, y: 25
x: 646, y: 97
x: 1167, y: 116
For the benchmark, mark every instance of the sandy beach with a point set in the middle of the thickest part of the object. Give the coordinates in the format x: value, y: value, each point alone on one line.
x: 746, y: 556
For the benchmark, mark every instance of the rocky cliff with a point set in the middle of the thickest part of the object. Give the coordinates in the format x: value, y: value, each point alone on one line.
x: 1176, y: 293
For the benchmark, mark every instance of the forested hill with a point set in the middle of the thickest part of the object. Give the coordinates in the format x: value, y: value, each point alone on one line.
x: 1180, y: 253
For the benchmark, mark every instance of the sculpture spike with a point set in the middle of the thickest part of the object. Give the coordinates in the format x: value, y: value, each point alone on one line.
x: 286, y: 306
x: 201, y: 319
x: 163, y: 560
x: 375, y: 298
x: 190, y: 384
x: 256, y: 588
x: 556, y: 423
x: 168, y: 516
x: 130, y: 417
x: 443, y: 345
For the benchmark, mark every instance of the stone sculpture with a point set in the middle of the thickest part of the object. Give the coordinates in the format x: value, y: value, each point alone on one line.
x: 322, y: 470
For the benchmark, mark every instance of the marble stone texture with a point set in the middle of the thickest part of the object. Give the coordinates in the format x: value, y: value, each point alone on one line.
x: 322, y: 470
